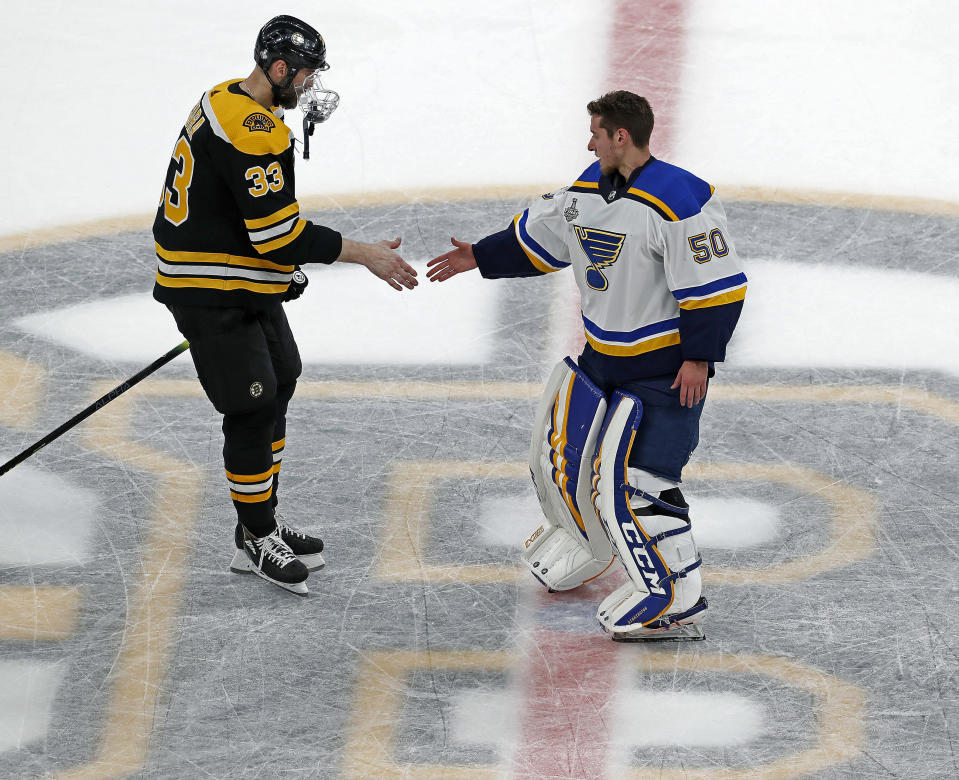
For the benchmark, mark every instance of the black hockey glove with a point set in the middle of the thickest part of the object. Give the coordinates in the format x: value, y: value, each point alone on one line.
x: 297, y: 285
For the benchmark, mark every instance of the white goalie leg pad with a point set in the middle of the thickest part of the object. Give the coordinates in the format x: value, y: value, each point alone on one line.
x: 571, y: 547
x: 647, y: 520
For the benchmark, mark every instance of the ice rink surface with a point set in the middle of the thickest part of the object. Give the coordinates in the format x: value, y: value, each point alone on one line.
x: 823, y: 491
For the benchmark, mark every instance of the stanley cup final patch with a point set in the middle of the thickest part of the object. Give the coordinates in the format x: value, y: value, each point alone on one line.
x: 259, y: 122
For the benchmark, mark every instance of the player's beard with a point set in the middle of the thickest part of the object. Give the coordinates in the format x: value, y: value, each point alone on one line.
x: 607, y: 168
x: 285, y: 97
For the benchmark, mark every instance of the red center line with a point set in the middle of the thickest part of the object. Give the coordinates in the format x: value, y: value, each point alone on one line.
x: 565, y: 731
x: 646, y: 55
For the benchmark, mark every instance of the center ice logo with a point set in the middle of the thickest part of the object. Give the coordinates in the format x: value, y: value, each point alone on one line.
x: 602, y: 248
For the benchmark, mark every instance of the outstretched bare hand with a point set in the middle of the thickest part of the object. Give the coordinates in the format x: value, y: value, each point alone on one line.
x: 382, y: 261
x: 453, y: 262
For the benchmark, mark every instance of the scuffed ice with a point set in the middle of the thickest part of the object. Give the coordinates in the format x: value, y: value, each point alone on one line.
x: 422, y: 646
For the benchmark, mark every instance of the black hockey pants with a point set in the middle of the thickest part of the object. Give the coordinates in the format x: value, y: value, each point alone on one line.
x: 247, y: 362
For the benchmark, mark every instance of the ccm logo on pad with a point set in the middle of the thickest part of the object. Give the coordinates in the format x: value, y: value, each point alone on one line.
x: 646, y: 568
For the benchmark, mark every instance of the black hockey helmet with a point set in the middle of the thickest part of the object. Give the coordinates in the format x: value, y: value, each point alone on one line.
x: 291, y: 40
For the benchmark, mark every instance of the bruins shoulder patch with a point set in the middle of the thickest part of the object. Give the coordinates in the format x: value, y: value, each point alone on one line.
x: 259, y: 123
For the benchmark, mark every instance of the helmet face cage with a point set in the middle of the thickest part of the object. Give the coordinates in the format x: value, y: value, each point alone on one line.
x: 316, y: 102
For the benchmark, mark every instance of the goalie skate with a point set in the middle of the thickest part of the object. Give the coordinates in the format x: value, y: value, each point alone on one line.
x: 683, y: 626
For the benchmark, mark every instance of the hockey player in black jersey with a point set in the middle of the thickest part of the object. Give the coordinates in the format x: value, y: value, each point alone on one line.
x: 229, y: 243
x: 661, y: 288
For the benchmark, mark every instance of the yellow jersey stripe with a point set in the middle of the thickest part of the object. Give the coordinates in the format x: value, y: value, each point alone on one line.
x: 716, y: 300
x: 221, y: 259
x: 653, y: 199
x: 221, y: 284
x: 282, y: 241
x: 538, y: 264
x: 276, y: 216
x: 629, y: 350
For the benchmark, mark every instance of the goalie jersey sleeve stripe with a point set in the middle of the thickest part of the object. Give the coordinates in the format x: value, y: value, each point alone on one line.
x: 534, y: 245
x: 537, y: 254
x: 722, y: 291
x: 500, y: 256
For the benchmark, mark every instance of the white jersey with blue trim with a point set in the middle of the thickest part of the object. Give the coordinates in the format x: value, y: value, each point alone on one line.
x: 642, y: 253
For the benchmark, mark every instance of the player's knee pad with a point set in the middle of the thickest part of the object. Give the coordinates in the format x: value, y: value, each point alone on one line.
x: 647, y: 520
x: 571, y: 547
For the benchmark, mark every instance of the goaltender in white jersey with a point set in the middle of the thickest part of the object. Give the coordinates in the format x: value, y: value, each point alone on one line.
x: 661, y: 288
x: 665, y: 225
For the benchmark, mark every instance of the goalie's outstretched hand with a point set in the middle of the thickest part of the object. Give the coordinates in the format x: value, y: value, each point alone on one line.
x: 453, y: 262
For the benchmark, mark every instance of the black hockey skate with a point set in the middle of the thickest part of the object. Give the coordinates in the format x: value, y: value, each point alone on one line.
x: 271, y: 558
x: 309, y: 549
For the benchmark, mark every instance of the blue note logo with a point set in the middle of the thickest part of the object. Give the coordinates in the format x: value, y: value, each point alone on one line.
x: 602, y: 249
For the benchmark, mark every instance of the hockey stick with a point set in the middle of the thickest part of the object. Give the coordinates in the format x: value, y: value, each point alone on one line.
x: 100, y: 402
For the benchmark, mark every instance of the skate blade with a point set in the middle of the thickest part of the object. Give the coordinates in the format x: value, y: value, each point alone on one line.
x: 312, y: 562
x: 297, y: 588
x: 241, y: 562
x: 690, y: 632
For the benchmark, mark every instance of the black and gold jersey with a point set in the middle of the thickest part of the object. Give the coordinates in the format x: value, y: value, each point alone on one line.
x: 228, y: 230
